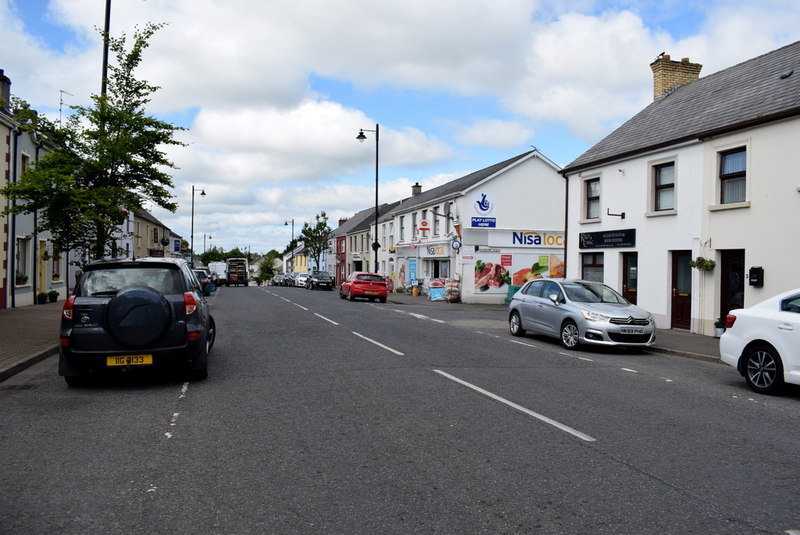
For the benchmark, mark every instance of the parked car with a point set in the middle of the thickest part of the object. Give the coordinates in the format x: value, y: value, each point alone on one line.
x: 320, y: 279
x: 301, y: 279
x: 363, y: 284
x: 579, y: 312
x: 206, y: 283
x: 277, y: 280
x: 130, y: 314
x: 763, y: 342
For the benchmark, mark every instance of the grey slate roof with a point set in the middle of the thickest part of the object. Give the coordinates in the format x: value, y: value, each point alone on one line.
x: 459, y: 185
x: 351, y: 223
x: 741, y: 96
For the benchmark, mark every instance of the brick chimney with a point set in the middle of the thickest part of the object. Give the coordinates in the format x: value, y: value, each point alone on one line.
x: 668, y: 74
x: 416, y: 189
x: 5, y: 91
x: 342, y: 221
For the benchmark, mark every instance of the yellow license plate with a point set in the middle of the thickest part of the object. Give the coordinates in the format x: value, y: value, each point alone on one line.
x: 371, y: 292
x: 130, y: 360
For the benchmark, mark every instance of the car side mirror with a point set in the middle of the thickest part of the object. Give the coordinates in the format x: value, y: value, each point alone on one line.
x: 554, y: 299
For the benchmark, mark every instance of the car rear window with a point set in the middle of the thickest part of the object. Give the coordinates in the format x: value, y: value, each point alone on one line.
x: 111, y: 281
x: 372, y: 278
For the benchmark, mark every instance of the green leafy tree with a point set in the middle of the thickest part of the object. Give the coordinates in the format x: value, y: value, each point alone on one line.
x: 266, y: 270
x: 215, y: 254
x: 104, y: 158
x: 316, y: 238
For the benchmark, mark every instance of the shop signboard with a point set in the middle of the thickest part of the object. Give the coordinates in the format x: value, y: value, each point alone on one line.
x: 608, y: 239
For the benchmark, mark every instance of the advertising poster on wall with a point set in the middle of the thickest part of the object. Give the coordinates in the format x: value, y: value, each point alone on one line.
x: 495, y: 272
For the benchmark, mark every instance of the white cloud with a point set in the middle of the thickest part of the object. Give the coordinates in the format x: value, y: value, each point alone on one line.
x: 494, y: 133
x: 267, y: 148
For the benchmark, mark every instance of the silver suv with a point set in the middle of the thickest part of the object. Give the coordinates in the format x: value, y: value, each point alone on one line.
x: 301, y: 279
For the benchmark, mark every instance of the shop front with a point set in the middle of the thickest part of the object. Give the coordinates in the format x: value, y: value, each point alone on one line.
x: 494, y: 271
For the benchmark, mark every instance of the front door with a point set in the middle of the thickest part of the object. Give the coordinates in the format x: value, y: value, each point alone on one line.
x: 731, y: 281
x: 681, y: 317
x: 630, y: 276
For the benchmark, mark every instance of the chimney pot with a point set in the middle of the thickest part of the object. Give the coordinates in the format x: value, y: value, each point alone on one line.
x: 416, y: 189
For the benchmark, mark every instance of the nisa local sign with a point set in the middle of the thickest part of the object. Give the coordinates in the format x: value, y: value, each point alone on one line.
x: 537, y: 239
x: 528, y: 238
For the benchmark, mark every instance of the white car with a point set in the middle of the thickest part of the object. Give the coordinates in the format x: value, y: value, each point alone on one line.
x: 301, y: 279
x: 763, y: 342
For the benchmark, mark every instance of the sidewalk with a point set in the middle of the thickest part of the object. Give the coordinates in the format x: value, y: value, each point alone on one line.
x: 29, y: 334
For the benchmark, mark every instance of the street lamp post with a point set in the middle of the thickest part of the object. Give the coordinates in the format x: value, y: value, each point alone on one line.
x: 191, y: 243
x: 291, y: 244
x: 361, y: 137
x: 204, y: 241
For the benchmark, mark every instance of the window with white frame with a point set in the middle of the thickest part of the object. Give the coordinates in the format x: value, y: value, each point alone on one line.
x: 402, y: 228
x: 592, y: 198
x: 664, y: 187
x: 436, y: 221
x: 23, y: 255
x: 733, y: 176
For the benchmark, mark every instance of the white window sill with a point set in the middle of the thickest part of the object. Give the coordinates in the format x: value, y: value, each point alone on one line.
x: 660, y: 213
x: 589, y: 221
x: 729, y: 206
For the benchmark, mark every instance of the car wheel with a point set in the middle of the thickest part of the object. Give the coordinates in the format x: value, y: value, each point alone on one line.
x: 515, y: 324
x: 763, y: 369
x: 198, y: 374
x: 350, y: 297
x: 569, y: 334
x: 382, y: 299
x: 76, y: 381
x: 138, y: 316
x: 341, y: 295
x: 211, y: 335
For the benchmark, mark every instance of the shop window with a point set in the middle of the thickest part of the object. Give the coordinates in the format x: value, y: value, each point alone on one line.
x: 733, y: 176
x: 592, y: 267
x: 22, y: 257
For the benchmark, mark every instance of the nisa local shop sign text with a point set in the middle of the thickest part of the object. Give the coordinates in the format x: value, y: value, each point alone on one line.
x: 528, y: 238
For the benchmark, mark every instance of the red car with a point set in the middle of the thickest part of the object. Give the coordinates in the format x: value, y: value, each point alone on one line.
x: 363, y: 284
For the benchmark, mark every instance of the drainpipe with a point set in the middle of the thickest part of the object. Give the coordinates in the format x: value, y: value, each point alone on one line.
x: 35, y: 259
x: 566, y: 223
x: 12, y: 261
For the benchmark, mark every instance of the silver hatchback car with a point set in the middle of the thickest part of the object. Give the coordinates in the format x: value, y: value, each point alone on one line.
x: 579, y: 312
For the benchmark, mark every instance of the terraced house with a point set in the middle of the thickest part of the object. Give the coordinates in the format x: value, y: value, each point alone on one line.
x: 28, y: 265
x: 691, y: 207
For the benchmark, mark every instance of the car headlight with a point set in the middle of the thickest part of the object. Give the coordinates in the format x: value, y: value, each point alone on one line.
x: 594, y: 316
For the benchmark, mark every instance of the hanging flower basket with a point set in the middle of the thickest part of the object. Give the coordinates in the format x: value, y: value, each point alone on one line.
x: 703, y: 264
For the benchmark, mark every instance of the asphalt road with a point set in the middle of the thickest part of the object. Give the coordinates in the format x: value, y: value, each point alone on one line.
x: 325, y: 416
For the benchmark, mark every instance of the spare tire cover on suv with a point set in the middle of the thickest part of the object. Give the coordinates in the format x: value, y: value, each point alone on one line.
x: 138, y: 316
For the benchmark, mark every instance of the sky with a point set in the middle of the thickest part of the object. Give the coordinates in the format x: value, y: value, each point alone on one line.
x: 273, y: 93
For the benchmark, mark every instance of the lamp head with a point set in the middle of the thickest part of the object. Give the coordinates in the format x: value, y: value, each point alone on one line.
x: 202, y: 193
x: 361, y: 137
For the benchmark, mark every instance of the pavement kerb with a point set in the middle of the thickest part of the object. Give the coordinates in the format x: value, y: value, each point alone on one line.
x: 682, y: 353
x: 13, y: 368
